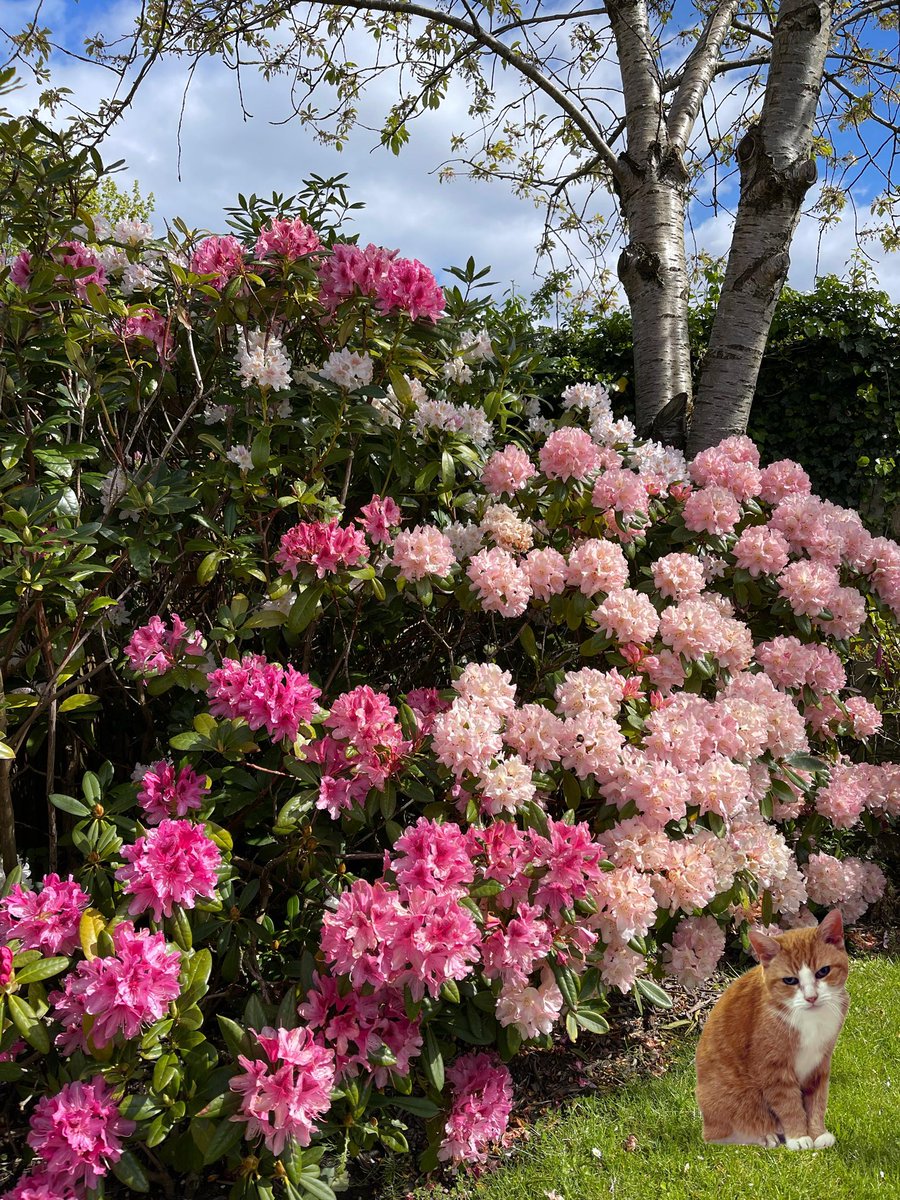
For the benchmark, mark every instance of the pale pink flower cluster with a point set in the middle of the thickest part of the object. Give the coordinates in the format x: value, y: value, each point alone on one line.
x: 104, y: 998
x: 286, y: 1090
x: 357, y: 1025
x: 467, y: 420
x: 264, y: 694
x: 850, y: 883
x: 165, y: 793
x: 782, y: 479
x: 697, y: 626
x: 221, y: 257
x: 622, y: 491
x: 348, y: 369
x: 262, y: 359
x: 174, y: 864
x: 423, y: 551
x: 679, y: 576
x: 287, y: 239
x: 507, y: 470
x: 481, y: 1092
x: 154, y: 648
x: 597, y: 566
x: 568, y: 453
x: 627, y: 616
x: 694, y: 952
x: 506, y: 530
x: 499, y: 582
x: 732, y: 464
x: 378, y: 518
x: 791, y: 663
x: 808, y: 586
x: 711, y: 509
x: 590, y: 691
x: 77, y: 1135
x: 761, y: 551
x: 45, y: 920
x: 547, y: 572
x: 506, y: 787
x: 326, y: 545
x: 532, y: 1010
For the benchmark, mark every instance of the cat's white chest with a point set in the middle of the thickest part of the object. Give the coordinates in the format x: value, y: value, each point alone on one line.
x: 818, y: 1029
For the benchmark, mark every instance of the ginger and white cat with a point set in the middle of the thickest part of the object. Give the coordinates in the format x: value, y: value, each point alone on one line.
x: 764, y: 1056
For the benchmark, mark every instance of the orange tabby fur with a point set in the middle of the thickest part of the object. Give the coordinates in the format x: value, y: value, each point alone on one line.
x: 764, y: 1056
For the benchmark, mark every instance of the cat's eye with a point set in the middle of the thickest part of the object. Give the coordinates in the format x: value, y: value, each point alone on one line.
x: 791, y: 979
x: 822, y: 972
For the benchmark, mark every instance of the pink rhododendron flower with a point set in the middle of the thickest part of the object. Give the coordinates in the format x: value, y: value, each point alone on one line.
x: 409, y: 286
x: 326, y: 545
x: 568, y: 453
x: 432, y: 857
x: 221, y: 257
x: 808, y: 587
x: 285, y: 1091
x: 38, y: 1185
x: 597, y: 566
x: 547, y: 572
x: 119, y: 994
x: 511, y: 952
x: 532, y: 1010
x: 695, y: 950
x: 78, y: 1132
x: 864, y: 716
x: 150, y: 324
x: 77, y: 256
x: 377, y: 519
x: 154, y: 649
x: 172, y: 864
x: 627, y: 616
x: 571, y: 858
x: 589, y: 690
x: 711, y: 510
x: 264, y: 694
x: 622, y: 491
x: 289, y: 239
x: 481, y: 1103
x: 466, y: 737
x: 368, y: 722
x: 426, y: 703
x: 501, y: 526
x: 45, y: 920
x: 782, y: 479
x: 163, y: 793
x: 507, y: 786
x: 507, y: 470
x: 350, y: 270
x: 499, y: 582
x: 356, y: 1026
x: 620, y: 967
x: 679, y: 576
x: 537, y: 734
x: 20, y: 271
x: 761, y: 551
x: 423, y: 551
x: 6, y: 962
x: 488, y: 686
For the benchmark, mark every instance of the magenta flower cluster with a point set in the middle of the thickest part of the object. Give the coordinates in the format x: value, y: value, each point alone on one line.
x: 266, y: 695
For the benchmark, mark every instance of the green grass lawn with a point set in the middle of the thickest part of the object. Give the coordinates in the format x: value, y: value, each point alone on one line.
x: 578, y: 1153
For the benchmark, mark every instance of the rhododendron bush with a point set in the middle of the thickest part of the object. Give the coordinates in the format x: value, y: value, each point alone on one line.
x: 452, y: 720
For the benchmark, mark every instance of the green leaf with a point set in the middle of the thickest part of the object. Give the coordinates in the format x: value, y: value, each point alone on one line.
x: 228, y: 1134
x: 131, y: 1173
x: 43, y: 968
x: 653, y: 992
x: 313, y: 1186
x: 31, y: 1027
x: 259, y: 451
x: 6, y: 751
x: 419, y: 1106
x: 304, y: 608
x: 568, y: 983
x: 529, y: 643
x: 235, y: 1037
x: 70, y: 805
x: 591, y: 1021
x: 208, y: 567
x: 79, y: 700
x: 432, y: 1061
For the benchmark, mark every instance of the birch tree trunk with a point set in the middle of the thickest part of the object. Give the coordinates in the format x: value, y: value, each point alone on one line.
x: 776, y: 171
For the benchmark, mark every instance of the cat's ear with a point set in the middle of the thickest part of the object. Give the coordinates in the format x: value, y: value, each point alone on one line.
x: 764, y: 947
x: 831, y: 928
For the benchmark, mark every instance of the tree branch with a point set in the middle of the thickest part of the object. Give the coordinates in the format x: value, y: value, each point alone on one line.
x: 698, y: 74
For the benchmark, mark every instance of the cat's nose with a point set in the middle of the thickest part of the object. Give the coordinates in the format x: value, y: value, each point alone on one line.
x: 811, y: 999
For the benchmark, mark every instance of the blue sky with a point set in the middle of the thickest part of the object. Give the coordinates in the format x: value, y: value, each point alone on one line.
x: 405, y: 204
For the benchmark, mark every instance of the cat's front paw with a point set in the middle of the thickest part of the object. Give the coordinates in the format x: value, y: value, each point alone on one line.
x: 771, y: 1140
x: 800, y: 1143
x: 824, y: 1140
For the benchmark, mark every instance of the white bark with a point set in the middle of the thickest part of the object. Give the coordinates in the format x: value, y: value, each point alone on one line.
x: 777, y: 170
